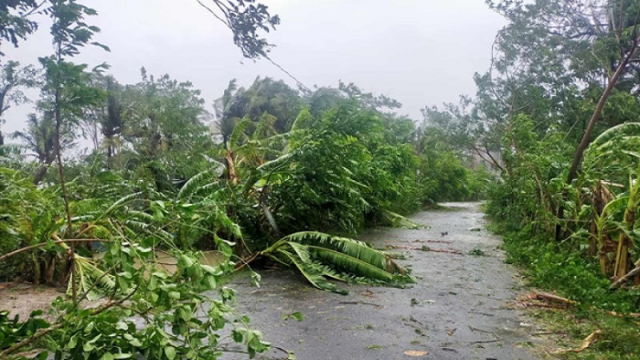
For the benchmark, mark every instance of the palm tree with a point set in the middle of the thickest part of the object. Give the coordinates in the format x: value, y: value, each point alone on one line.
x: 111, y: 121
x: 12, y: 78
x: 40, y: 139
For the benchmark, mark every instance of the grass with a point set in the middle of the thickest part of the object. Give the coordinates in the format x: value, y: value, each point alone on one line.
x: 551, y: 267
x: 620, y: 338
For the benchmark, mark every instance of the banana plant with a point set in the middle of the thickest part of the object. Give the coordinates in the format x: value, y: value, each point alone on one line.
x: 603, y: 223
x: 608, y: 157
x: 320, y: 257
x: 629, y: 236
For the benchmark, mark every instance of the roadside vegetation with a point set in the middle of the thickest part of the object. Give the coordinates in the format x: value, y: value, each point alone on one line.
x: 558, y: 116
x: 269, y: 173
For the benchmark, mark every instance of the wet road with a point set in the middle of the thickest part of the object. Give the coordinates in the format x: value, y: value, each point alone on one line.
x: 456, y: 310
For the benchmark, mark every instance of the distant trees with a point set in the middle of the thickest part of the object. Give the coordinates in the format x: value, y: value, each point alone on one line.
x: 13, y: 78
x: 264, y: 97
x: 40, y: 138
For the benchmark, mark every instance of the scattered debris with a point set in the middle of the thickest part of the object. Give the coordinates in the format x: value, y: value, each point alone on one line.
x: 622, y: 280
x: 633, y: 315
x: 484, y: 341
x: 546, y: 300
x: 290, y: 354
x: 541, y: 299
x: 394, y: 256
x: 418, y: 330
x: 425, y: 248
x: 549, y: 333
x: 480, y: 313
x: 479, y: 330
x: 415, y: 352
x: 297, y: 316
x: 411, y: 318
x: 443, y: 234
x: 377, y: 306
x: 452, y: 331
x: 551, y: 297
x: 399, y: 221
x: 433, y: 241
x: 447, y: 251
x: 368, y: 293
x: 585, y: 344
x: 476, y: 252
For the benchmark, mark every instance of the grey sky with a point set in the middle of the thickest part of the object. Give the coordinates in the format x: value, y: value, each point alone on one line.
x: 420, y: 52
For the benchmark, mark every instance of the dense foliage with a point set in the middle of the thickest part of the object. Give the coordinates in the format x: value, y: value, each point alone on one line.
x: 144, y: 226
x: 557, y: 117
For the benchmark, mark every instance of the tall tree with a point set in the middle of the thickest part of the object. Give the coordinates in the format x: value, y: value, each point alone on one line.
x: 264, y: 96
x: 12, y: 78
x: 111, y: 122
x: 67, y: 91
x: 556, y: 48
x: 105, y: 118
x: 162, y: 120
x: 570, y: 65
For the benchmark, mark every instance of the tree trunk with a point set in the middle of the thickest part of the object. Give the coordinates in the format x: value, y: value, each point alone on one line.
x: 623, y: 262
x: 65, y: 195
x: 586, y: 137
x: 232, y: 175
x: 39, y: 175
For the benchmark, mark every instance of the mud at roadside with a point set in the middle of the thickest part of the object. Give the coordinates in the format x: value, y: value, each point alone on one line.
x: 22, y: 299
x: 456, y: 310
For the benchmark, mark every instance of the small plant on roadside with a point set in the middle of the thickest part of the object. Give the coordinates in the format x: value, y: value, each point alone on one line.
x: 476, y: 252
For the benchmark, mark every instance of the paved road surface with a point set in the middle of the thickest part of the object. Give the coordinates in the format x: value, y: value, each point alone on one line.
x: 457, y: 310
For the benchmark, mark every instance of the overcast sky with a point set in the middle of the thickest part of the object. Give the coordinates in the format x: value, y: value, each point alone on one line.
x: 420, y: 52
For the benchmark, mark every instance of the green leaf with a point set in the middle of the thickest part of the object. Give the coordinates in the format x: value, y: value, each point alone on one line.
x: 211, y: 270
x: 317, y: 255
x: 185, y: 261
x: 184, y: 313
x: 122, y: 356
x: 297, y: 316
x: 72, y: 342
x: 237, y: 336
x: 90, y: 345
x: 170, y: 352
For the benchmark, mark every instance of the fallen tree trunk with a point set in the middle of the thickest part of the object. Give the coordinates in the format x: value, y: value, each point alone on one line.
x: 618, y: 283
x: 551, y: 297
